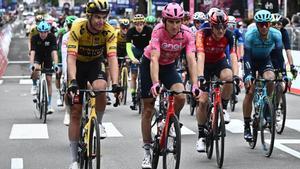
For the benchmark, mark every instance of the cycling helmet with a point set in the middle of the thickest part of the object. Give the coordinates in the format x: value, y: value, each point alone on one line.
x: 186, y: 15
x: 263, y: 16
x: 70, y: 19
x: 200, y: 16
x: 276, y: 17
x: 43, y: 26
x: 210, y: 12
x: 124, y: 22
x: 39, y: 18
x: 172, y: 11
x: 219, y: 17
x: 150, y: 19
x: 97, y: 6
x: 138, y: 18
x: 113, y: 22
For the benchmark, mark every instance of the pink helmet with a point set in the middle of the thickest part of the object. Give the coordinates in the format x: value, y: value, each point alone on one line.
x: 173, y: 11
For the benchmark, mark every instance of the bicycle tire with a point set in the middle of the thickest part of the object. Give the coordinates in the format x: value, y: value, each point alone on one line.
x: 220, y: 137
x: 232, y: 101
x: 82, y: 151
x: 125, y: 85
x: 156, y: 147
x: 279, y: 109
x: 139, y: 102
x: 269, y: 128
x: 192, y: 106
x: 39, y: 107
x: 254, y: 128
x: 174, y: 150
x: 94, y: 145
x: 209, y: 141
x: 44, y: 102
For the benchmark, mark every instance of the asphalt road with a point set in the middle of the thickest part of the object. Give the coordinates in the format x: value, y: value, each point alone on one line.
x: 27, y: 143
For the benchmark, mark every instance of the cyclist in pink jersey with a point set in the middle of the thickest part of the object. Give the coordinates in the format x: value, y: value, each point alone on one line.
x: 158, y: 66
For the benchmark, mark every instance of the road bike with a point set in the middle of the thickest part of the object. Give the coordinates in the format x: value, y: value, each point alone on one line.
x: 41, y: 98
x: 215, y: 122
x: 167, y: 139
x: 263, y: 117
x: 124, y: 79
x: 89, y: 152
x: 233, y: 98
x: 279, y: 102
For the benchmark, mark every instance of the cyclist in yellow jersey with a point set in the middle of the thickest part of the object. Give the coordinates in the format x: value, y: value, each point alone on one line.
x: 90, y: 40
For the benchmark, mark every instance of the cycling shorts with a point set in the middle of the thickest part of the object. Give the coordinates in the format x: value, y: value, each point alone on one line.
x: 88, y: 72
x: 167, y: 76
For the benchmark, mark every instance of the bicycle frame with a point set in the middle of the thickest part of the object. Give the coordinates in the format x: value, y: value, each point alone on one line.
x: 259, y: 94
x: 216, y: 94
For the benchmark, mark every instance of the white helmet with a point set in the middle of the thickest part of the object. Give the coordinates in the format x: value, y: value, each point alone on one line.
x: 200, y: 16
x: 210, y: 12
x: 276, y: 17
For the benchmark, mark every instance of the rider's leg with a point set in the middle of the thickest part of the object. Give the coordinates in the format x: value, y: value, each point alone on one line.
x: 100, y: 84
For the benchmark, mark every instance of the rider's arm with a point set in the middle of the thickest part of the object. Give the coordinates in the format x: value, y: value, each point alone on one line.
x: 200, y: 52
x: 64, y: 53
x: 246, y: 59
x: 32, y: 49
x: 129, y: 51
x: 233, y: 56
x: 287, y: 46
x: 54, y: 49
x: 111, y: 48
x: 72, y: 52
x: 154, y: 44
x: 191, y: 58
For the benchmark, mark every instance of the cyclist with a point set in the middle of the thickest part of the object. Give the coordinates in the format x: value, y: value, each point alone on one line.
x: 139, y: 35
x: 150, y: 21
x: 68, y: 23
x: 278, y: 61
x: 208, y: 15
x: 88, y: 40
x: 211, y: 45
x: 186, y: 19
x: 198, y: 19
x: 34, y: 31
x: 259, y: 42
x: 43, y: 52
x: 158, y: 65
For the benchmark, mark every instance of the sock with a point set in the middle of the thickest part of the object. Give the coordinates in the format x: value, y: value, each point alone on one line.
x: 224, y: 104
x: 34, y: 82
x: 49, y: 100
x: 100, y: 117
x: 74, y: 150
x: 247, y: 121
x: 201, y: 130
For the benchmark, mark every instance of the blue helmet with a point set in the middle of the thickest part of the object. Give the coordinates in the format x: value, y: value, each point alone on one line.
x: 43, y: 27
x: 263, y: 16
x: 113, y: 22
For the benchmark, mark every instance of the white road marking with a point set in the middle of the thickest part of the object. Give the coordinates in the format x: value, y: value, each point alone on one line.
x: 15, y: 77
x: 1, y: 81
x: 293, y: 124
x: 235, y: 126
x: 16, y: 163
x: 111, y: 130
x: 25, y: 81
x: 279, y: 143
x: 29, y: 131
x: 18, y: 62
x: 184, y: 131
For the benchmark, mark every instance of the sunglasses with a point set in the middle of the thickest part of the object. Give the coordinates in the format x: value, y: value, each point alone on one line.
x: 276, y: 23
x: 262, y: 24
x: 174, y: 21
x: 220, y: 26
x: 124, y: 27
x: 139, y: 24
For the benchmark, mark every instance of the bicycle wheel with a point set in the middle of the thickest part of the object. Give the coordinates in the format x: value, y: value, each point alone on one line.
x: 232, y: 100
x: 220, y: 137
x: 209, y: 141
x: 82, y: 151
x: 44, y: 102
x: 279, y: 103
x: 255, y: 124
x: 139, y: 101
x: 192, y: 106
x: 156, y: 148
x: 94, y: 145
x: 267, y: 125
x: 124, y: 84
x: 171, y: 155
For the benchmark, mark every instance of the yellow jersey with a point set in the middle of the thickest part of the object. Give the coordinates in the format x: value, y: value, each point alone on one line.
x: 33, y: 31
x: 121, y: 38
x: 87, y: 46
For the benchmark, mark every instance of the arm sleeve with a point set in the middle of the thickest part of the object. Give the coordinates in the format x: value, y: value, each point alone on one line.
x: 32, y: 44
x: 246, y: 59
x: 53, y: 43
x: 64, y: 54
x: 190, y: 44
x: 73, y: 40
x: 200, y: 41
x: 129, y: 51
x: 286, y: 39
x: 111, y: 44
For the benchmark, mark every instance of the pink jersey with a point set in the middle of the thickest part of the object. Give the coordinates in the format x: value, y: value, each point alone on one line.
x: 170, y: 47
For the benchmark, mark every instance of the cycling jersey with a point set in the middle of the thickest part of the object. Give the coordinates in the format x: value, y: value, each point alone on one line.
x: 43, y: 49
x: 258, y: 50
x: 170, y: 47
x: 64, y: 43
x: 139, y: 40
x: 59, y: 34
x: 238, y: 36
x: 33, y: 31
x: 214, y: 50
x: 121, y: 44
x: 87, y: 46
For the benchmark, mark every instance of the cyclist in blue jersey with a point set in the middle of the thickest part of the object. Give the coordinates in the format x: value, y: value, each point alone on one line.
x: 259, y: 42
x: 278, y: 61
